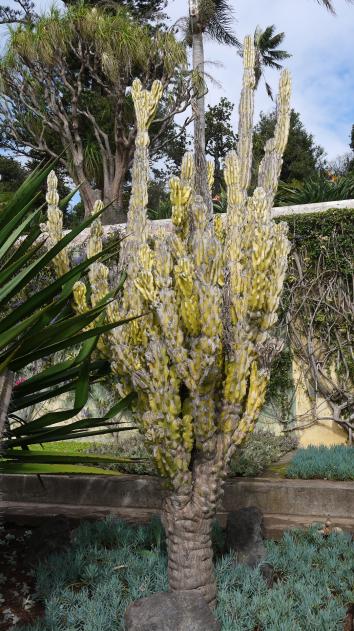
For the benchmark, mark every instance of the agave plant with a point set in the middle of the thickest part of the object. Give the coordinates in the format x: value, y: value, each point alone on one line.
x: 40, y: 326
x: 317, y: 189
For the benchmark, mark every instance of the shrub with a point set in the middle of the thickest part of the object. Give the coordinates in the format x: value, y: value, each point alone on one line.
x: 110, y: 565
x: 330, y: 463
x: 259, y: 451
x: 131, y: 447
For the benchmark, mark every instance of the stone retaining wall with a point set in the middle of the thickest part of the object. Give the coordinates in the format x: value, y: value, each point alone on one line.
x: 284, y: 503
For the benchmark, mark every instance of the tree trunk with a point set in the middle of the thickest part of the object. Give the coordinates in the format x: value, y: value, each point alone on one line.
x: 201, y: 173
x: 190, y: 554
x: 113, y: 192
x: 88, y: 196
x: 6, y: 385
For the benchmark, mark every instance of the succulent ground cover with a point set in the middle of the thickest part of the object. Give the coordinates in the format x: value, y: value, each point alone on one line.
x: 328, y: 463
x: 108, y: 565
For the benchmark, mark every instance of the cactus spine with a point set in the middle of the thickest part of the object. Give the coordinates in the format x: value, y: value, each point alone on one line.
x: 200, y: 357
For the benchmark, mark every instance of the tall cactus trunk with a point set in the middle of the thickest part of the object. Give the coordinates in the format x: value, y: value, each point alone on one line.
x: 188, y: 518
x: 189, y: 546
x: 201, y: 170
x: 190, y: 554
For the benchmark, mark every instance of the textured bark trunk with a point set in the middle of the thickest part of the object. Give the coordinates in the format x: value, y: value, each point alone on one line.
x: 88, y: 195
x: 201, y: 173
x: 113, y: 191
x: 6, y: 385
x: 190, y: 554
x: 198, y: 64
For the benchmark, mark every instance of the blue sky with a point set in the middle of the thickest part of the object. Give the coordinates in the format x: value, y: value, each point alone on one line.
x: 322, y: 62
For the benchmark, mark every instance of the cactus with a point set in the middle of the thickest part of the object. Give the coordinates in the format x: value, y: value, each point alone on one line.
x: 200, y: 357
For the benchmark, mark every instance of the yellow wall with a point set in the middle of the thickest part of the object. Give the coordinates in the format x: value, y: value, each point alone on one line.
x: 322, y: 432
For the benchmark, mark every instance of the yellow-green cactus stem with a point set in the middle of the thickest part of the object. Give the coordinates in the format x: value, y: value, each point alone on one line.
x: 54, y: 225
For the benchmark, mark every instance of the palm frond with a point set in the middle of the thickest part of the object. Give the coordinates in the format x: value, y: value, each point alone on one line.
x: 216, y: 17
x: 328, y: 4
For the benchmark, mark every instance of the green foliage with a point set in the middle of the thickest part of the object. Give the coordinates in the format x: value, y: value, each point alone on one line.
x: 133, y: 447
x: 320, y: 268
x: 12, y: 174
x: 259, y: 451
x: 215, y: 18
x: 328, y: 463
x: 316, y: 189
x: 281, y: 383
x: 144, y: 11
x: 302, y: 157
x: 219, y: 136
x: 110, y: 564
x: 327, y: 236
x: 77, y: 52
x: 39, y: 326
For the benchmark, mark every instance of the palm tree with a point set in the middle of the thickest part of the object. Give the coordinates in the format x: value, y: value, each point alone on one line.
x: 266, y: 44
x: 214, y: 18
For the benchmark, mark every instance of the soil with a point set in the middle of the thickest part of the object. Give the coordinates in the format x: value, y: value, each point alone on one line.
x: 22, y: 546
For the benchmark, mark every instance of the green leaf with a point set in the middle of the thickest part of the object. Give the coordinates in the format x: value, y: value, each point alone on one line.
x: 25, y: 194
x: 74, y: 340
x: 59, y: 436
x: 11, y: 334
x: 16, y: 263
x: 15, y: 284
x: 53, y: 375
x: 35, y: 468
x: 57, y: 457
x: 10, y: 233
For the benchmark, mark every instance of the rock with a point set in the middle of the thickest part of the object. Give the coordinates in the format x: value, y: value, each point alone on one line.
x: 267, y: 571
x: 170, y: 611
x: 244, y: 535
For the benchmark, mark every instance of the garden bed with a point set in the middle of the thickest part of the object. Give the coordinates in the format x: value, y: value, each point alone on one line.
x: 305, y: 582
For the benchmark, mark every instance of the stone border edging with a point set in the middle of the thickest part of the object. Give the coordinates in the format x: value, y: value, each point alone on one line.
x: 284, y: 503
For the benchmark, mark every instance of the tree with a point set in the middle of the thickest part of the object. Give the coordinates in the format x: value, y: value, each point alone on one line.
x: 147, y: 12
x: 211, y: 17
x: 64, y: 93
x: 24, y: 13
x: 319, y: 327
x: 199, y: 358
x: 302, y: 157
x: 267, y: 56
x: 12, y: 174
x: 219, y: 136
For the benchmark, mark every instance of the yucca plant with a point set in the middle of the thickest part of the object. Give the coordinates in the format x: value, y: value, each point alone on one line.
x: 41, y: 325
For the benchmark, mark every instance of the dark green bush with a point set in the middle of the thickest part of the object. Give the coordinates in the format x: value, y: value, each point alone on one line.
x: 259, y: 451
x: 109, y: 565
x: 329, y: 463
